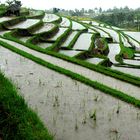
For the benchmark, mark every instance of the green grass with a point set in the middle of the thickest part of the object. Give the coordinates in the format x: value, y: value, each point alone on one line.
x: 115, y: 93
x: 17, y: 120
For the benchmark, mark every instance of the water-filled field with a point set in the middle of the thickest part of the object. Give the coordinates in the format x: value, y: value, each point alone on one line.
x: 80, y: 77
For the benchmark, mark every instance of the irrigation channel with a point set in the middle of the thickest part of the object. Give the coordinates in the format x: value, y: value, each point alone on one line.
x: 66, y: 106
x: 92, y: 75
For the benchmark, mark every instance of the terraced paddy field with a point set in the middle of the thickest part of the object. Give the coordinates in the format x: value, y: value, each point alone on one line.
x: 80, y: 77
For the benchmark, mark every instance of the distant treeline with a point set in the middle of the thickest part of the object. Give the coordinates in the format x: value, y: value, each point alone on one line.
x: 122, y: 17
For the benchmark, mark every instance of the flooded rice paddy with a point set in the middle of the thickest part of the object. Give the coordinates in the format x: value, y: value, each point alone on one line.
x: 92, y: 75
x: 44, y: 45
x: 3, y: 19
x: 45, y: 28
x: 131, y: 62
x: 58, y: 34
x: 83, y: 42
x: 69, y: 39
x: 65, y: 22
x: 66, y: 106
x: 77, y: 26
x: 102, y: 33
x: 135, y: 35
x: 25, y: 24
x: 112, y: 33
x: 114, y: 49
x: 94, y: 60
x: 70, y: 53
x: 131, y: 71
x: 50, y: 18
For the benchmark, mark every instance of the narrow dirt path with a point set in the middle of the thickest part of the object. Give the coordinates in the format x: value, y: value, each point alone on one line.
x: 127, y: 88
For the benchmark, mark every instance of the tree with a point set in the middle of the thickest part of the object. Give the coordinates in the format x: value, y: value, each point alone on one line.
x: 56, y: 10
x: 9, y: 2
x: 13, y: 8
x: 100, y: 10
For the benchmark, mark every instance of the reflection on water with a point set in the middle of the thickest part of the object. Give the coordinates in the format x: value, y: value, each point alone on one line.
x: 83, y: 42
x: 25, y: 24
x: 114, y: 49
x: 70, y: 53
x: 58, y: 34
x: 94, y: 60
x: 69, y: 39
x: 131, y: 71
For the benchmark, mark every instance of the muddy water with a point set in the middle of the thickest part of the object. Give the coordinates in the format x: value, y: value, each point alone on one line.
x: 95, y: 23
x: 114, y: 49
x: 44, y: 45
x: 106, y: 80
x: 77, y: 26
x: 50, y: 18
x: 83, y: 42
x: 24, y: 38
x: 69, y: 39
x: 136, y: 44
x: 117, y: 28
x: 65, y: 22
x: 45, y: 28
x: 91, y: 31
x: 132, y: 62
x: 65, y: 105
x: 3, y: 32
x: 2, y: 19
x: 131, y: 71
x: 135, y: 35
x: 125, y: 41
x: 94, y: 60
x: 113, y: 34
x: 70, y: 53
x: 102, y: 33
x: 35, y: 13
x: 86, y: 21
x: 137, y: 54
x: 58, y: 34
x: 25, y: 24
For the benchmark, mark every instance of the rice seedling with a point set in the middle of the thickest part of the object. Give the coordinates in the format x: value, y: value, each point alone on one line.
x: 93, y: 115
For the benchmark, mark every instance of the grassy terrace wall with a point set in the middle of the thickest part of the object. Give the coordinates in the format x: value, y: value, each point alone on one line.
x: 59, y: 41
x: 125, y: 51
x: 75, y: 39
x: 115, y: 93
x: 43, y: 36
x: 11, y: 22
x: 17, y: 121
x: 29, y: 30
x: 59, y: 20
x: 106, y: 71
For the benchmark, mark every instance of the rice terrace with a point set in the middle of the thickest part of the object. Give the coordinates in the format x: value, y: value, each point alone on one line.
x: 69, y: 75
